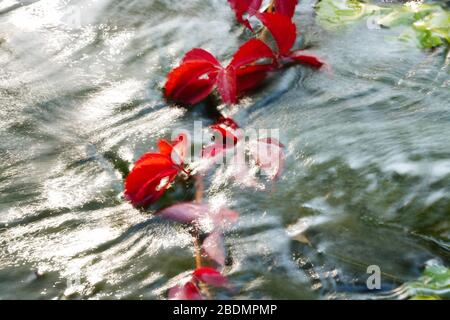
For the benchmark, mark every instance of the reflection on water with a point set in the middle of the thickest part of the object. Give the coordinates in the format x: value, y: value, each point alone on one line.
x: 367, y: 178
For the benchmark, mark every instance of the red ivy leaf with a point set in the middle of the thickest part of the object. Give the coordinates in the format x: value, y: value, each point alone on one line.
x: 150, y: 177
x: 184, y: 83
x: 186, y: 212
x: 252, y: 7
x: 251, y: 76
x: 282, y: 29
x: 210, y: 276
x: 187, y: 291
x: 309, y: 60
x: 214, y: 247
x: 227, y: 136
x: 200, y: 72
x: 241, y: 7
x: 223, y: 218
x: 198, y: 54
x: 286, y: 7
x: 269, y: 155
x: 212, y: 150
x: 226, y: 85
x: 176, y: 149
x: 226, y: 127
x: 250, y: 52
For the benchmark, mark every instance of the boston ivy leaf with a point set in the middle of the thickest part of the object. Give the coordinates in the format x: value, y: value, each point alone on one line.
x: 286, y: 7
x: 210, y: 276
x: 150, y: 177
x: 282, y: 29
x: 186, y: 291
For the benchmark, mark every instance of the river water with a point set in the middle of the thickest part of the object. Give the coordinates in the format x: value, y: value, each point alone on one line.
x: 366, y: 180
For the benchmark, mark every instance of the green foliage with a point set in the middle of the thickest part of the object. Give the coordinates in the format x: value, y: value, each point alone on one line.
x: 433, y: 284
x: 426, y: 26
x: 332, y: 14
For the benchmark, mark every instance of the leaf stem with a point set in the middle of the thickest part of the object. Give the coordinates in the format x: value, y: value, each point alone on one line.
x: 199, y: 186
x: 198, y: 255
x: 264, y: 32
x: 271, y: 6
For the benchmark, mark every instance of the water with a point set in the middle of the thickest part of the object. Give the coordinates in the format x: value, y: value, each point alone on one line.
x: 367, y: 178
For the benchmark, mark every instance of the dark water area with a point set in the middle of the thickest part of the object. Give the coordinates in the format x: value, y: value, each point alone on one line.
x: 366, y: 180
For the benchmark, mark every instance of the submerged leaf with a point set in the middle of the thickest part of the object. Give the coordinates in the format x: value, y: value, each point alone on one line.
x: 186, y: 212
x: 214, y: 247
x: 176, y: 149
x: 269, y: 155
x: 210, y: 276
x: 187, y: 291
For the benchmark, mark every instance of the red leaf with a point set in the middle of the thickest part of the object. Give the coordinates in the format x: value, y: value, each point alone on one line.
x: 226, y: 85
x: 251, y: 76
x: 241, y: 172
x: 214, y: 247
x: 213, y: 150
x: 165, y: 147
x: 210, y: 276
x: 223, y: 218
x: 250, y: 52
x: 176, y: 149
x: 227, y: 136
x: 184, y: 83
x: 226, y: 127
x: 282, y: 29
x: 150, y: 176
x: 242, y: 7
x: 195, y: 91
x: 187, y: 291
x: 286, y: 7
x: 309, y: 60
x: 198, y: 54
x: 269, y: 155
x: 186, y: 212
x: 189, y: 212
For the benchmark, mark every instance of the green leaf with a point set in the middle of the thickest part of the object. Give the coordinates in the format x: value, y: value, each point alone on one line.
x: 335, y: 13
x: 435, y: 25
x: 433, y: 284
x: 424, y: 25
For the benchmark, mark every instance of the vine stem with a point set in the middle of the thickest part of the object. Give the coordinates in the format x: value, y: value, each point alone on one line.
x: 199, y: 187
x: 271, y: 6
x: 264, y: 32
